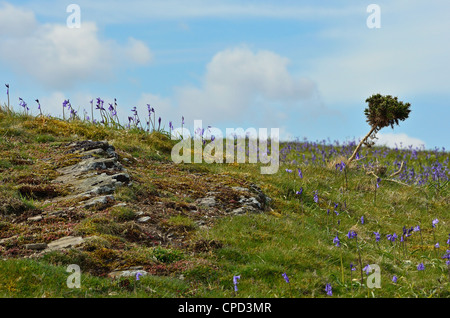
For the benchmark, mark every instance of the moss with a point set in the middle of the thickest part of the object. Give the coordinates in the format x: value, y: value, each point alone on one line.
x: 97, y: 225
x: 122, y: 214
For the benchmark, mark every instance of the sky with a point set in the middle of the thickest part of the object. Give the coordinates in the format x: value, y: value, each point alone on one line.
x: 305, y: 67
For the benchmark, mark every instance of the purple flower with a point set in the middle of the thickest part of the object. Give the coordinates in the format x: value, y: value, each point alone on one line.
x: 447, y: 257
x: 286, y: 278
x: 300, y: 173
x: 337, y: 241
x: 435, y: 222
x: 316, y: 197
x: 235, y: 282
x: 437, y: 245
x: 394, y: 279
x: 288, y: 170
x: 328, y: 290
x: 391, y: 237
x: 352, y: 234
x: 182, y: 120
x: 377, y: 236
x: 137, y: 275
x: 352, y: 267
x: 367, y: 269
x: 420, y: 267
x: 299, y: 192
x: 362, y: 219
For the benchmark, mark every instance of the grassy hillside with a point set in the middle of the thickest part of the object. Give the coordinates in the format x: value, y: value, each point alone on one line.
x: 306, y: 233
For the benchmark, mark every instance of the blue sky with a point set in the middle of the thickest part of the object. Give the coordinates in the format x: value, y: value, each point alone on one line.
x: 305, y: 67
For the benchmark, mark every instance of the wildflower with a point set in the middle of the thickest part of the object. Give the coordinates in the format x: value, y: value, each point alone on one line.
x: 448, y: 241
x: 352, y: 267
x: 420, y: 267
x: 288, y: 170
x: 337, y: 241
x: 316, y: 198
x: 367, y: 269
x: 286, y: 278
x: 435, y: 222
x: 378, y: 182
x: 394, y: 279
x: 235, y: 282
x: 437, y: 245
x: 299, y: 192
x: 362, y: 219
x: 377, y: 236
x: 447, y: 256
x: 329, y: 290
x: 137, y: 275
x: 391, y: 237
x: 352, y: 234
x: 300, y: 173
x: 416, y: 229
x: 7, y: 89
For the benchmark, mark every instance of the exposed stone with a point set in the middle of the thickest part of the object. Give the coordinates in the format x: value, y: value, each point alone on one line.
x: 207, y: 201
x: 98, y: 201
x: 36, y: 246
x: 35, y: 218
x: 98, y: 173
x: 64, y: 242
x: 144, y: 219
x: 127, y: 273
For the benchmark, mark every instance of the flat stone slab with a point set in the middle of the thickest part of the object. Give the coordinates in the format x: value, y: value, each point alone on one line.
x: 64, y: 242
x: 127, y: 273
x: 36, y: 246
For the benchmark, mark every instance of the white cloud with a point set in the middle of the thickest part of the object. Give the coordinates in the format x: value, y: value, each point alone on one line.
x: 60, y: 57
x: 138, y: 52
x: 240, y: 83
x: 400, y: 140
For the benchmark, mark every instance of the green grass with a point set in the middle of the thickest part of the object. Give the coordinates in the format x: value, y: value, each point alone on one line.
x: 294, y: 237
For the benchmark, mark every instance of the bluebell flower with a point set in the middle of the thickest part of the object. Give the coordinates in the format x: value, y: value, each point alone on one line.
x: 420, y: 267
x: 394, y: 279
x: 352, y: 234
x: 377, y: 236
x: 329, y: 290
x: 435, y: 222
x: 286, y: 278
x: 337, y: 241
x: 367, y: 269
x: 235, y: 282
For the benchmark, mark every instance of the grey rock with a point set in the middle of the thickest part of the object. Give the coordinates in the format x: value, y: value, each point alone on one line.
x: 207, y: 201
x: 36, y: 246
x: 126, y: 273
x: 98, y: 201
x: 35, y: 218
x: 144, y: 219
x: 64, y: 242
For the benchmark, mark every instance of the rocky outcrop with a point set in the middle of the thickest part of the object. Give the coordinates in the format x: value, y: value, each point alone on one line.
x: 251, y: 199
x: 96, y: 176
